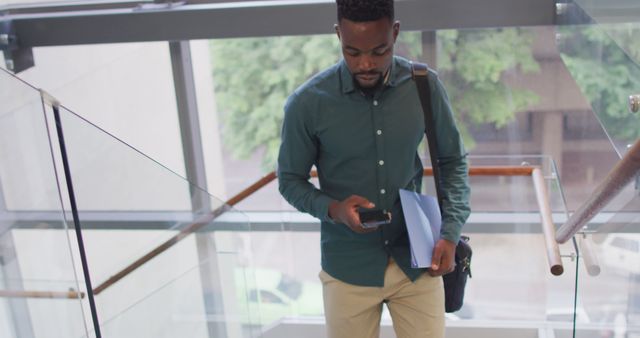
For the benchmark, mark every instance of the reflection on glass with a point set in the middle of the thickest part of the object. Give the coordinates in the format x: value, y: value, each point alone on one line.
x: 509, y: 88
x: 188, y: 306
x: 511, y: 282
x: 473, y: 65
x: 606, y: 75
x: 154, y: 230
x: 253, y: 77
x: 616, y: 312
x: 513, y: 93
x: 617, y: 18
x: 35, y: 256
x: 506, y: 85
x: 603, y: 59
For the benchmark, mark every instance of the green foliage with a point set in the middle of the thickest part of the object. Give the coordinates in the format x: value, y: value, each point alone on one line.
x: 409, y: 45
x: 602, y: 60
x: 254, y: 76
x: 472, y: 64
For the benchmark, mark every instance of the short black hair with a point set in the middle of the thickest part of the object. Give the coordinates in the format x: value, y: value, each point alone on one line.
x: 364, y: 10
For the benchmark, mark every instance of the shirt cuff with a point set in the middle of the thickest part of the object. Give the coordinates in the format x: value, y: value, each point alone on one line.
x: 322, y: 207
x: 451, y: 232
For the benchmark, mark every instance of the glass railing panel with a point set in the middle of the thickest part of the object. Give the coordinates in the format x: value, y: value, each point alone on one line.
x: 512, y: 281
x: 610, y: 246
x: 286, y: 260
x: 604, y: 63
x: 179, y: 309
x: 518, y: 291
x: 599, y: 47
x: 511, y: 94
x: 511, y: 287
x: 39, y: 290
x: 619, y: 19
x: 616, y: 311
x: 141, y: 217
x: 124, y: 198
x: 522, y: 102
x: 514, y: 96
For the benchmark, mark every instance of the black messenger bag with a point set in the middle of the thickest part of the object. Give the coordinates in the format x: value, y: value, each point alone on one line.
x: 455, y: 281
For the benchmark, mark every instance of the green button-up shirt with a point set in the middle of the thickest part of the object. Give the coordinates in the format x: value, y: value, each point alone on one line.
x: 367, y: 146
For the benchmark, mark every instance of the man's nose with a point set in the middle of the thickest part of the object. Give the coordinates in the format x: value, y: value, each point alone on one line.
x: 367, y: 63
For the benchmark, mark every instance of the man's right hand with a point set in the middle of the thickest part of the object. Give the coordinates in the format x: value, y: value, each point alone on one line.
x: 346, y: 212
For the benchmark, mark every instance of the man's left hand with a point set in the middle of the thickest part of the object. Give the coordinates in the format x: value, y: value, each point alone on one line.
x: 443, y: 260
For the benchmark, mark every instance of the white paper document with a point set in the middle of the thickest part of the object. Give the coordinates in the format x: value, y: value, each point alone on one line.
x: 422, y: 215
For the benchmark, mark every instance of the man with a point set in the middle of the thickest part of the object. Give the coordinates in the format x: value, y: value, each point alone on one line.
x: 360, y: 123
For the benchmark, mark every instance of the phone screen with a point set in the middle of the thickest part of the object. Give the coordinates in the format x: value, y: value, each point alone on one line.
x: 374, y: 218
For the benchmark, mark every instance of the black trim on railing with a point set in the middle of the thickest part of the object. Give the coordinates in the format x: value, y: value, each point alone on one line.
x: 76, y: 221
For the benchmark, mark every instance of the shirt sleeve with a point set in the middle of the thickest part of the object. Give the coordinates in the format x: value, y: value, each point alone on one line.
x: 452, y: 162
x: 298, y: 153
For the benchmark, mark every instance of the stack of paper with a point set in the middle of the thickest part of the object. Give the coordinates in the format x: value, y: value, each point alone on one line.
x: 422, y: 215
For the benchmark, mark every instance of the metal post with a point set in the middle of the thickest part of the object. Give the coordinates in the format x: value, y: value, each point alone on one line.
x: 430, y: 48
x: 76, y: 221
x: 210, y: 271
x: 189, y: 124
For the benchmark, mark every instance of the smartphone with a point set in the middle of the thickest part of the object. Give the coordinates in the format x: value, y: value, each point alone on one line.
x: 374, y: 218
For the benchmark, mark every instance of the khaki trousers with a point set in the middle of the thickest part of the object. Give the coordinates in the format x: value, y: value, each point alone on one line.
x: 416, y: 308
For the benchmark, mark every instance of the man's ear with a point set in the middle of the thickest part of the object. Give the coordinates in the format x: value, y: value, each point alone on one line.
x: 396, y: 30
x: 337, y: 29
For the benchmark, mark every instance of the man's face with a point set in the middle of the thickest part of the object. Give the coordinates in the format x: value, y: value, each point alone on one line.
x: 367, y: 48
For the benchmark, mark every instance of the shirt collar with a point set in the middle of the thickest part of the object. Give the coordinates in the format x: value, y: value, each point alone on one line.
x: 346, y: 78
x: 393, y: 74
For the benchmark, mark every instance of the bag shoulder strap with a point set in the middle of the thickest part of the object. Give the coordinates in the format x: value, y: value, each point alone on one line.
x: 420, y: 75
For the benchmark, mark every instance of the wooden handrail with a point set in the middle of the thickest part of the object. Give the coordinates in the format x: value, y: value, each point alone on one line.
x: 251, y: 189
x: 548, y: 228
x: 41, y: 294
x: 206, y: 219
x: 202, y: 221
x: 622, y: 173
x: 483, y: 171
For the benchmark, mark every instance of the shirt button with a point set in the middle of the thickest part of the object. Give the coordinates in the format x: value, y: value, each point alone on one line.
x: 386, y: 242
x: 382, y: 191
x: 379, y: 132
x: 381, y: 162
x: 375, y: 102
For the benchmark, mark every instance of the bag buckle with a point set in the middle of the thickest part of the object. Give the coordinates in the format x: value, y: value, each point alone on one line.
x: 466, y: 265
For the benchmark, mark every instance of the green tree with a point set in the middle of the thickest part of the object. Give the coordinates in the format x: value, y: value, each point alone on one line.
x: 472, y: 64
x: 252, y: 79
x: 254, y: 76
x: 603, y: 62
